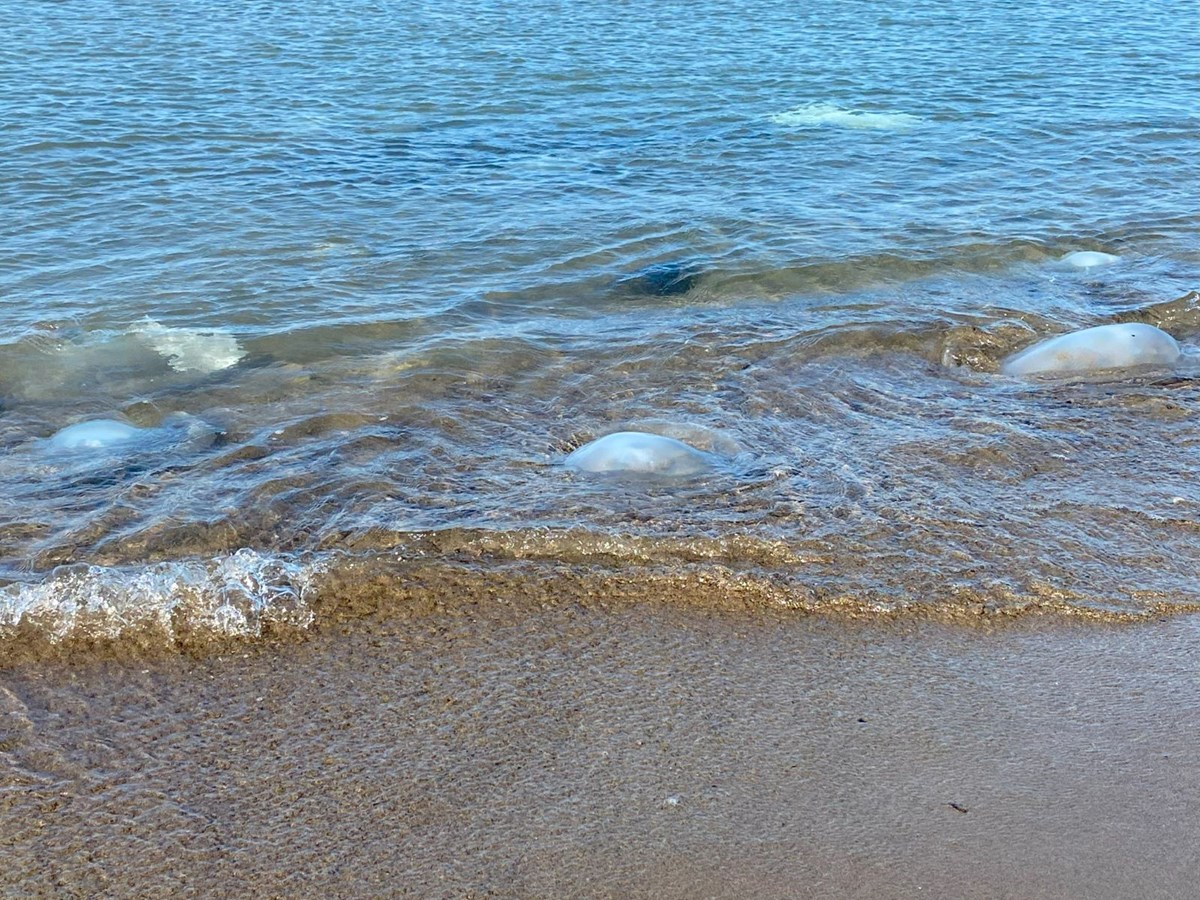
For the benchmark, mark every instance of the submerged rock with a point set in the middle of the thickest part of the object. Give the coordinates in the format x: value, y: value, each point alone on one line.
x: 1088, y: 259
x: 97, y: 434
x: 1102, y: 347
x: 639, y: 453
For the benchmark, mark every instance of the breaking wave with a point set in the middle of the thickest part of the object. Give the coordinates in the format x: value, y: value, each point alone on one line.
x: 192, y: 349
x: 236, y: 596
x: 202, y: 606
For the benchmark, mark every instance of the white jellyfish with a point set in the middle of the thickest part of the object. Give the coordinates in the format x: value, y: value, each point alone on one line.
x: 98, y: 434
x: 1103, y: 347
x: 1087, y: 259
x: 639, y: 453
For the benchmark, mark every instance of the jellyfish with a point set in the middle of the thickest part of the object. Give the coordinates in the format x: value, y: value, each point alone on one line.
x: 1102, y: 347
x: 663, y: 279
x: 98, y: 434
x: 1088, y: 259
x: 639, y: 453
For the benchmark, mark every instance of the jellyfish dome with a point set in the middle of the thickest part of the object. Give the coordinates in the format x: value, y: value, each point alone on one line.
x: 639, y: 453
x: 1102, y: 347
x: 98, y: 434
x: 1088, y: 259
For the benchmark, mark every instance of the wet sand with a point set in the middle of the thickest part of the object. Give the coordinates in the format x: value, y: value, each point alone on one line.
x: 522, y: 750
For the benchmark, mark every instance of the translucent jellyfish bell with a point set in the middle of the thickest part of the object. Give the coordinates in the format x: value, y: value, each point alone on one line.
x: 98, y: 434
x: 1103, y: 347
x: 639, y: 453
x: 1087, y: 259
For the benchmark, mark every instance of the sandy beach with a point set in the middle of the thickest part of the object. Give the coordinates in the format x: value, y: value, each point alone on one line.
x: 557, y: 450
x: 525, y: 750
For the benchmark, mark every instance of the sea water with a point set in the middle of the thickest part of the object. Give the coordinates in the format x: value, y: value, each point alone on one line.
x: 399, y: 261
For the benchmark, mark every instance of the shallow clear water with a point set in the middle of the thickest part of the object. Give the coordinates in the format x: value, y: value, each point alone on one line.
x: 374, y: 271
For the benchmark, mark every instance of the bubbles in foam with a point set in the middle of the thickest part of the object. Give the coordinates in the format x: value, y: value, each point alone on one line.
x: 817, y: 115
x: 192, y: 349
x: 231, y: 596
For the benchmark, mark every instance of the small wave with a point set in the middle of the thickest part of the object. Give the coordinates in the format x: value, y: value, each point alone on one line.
x: 816, y: 115
x: 192, y: 349
x: 56, y: 364
x: 201, y: 606
x: 235, y: 596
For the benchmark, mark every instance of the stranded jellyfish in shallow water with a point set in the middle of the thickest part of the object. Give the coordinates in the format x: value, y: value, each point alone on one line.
x: 639, y: 453
x: 98, y: 434
x: 1087, y: 259
x: 1103, y: 347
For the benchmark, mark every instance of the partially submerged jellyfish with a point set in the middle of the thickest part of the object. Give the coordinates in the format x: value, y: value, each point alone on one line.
x: 1088, y: 259
x: 98, y: 434
x: 1102, y: 347
x: 663, y: 279
x: 639, y: 453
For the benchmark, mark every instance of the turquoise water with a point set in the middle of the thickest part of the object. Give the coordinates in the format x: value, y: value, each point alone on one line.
x: 375, y: 269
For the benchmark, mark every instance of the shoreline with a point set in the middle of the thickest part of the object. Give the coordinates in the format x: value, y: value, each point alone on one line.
x: 540, y: 750
x: 95, y: 618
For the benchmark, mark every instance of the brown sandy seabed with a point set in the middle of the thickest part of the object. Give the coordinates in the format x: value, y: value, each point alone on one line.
x: 515, y: 746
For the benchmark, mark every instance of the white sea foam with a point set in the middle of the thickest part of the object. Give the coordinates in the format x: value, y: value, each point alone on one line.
x: 231, y: 596
x: 191, y: 349
x: 817, y: 115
